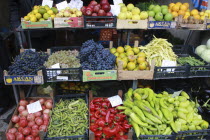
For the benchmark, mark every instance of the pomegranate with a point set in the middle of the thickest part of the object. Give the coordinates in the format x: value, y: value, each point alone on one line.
x: 10, y: 136
x: 12, y: 130
x: 23, y: 102
x: 15, y: 119
x: 31, y: 117
x: 30, y: 137
x: 21, y: 108
x: 23, y: 123
x: 26, y: 131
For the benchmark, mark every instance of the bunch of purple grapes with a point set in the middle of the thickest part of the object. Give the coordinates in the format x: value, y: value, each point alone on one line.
x: 93, y: 56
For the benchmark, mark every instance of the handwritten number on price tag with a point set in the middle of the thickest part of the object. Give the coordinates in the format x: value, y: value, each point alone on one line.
x: 34, y: 107
x: 115, y: 100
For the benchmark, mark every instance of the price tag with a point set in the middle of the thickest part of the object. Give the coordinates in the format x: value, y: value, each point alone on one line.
x: 47, y: 2
x: 115, y: 100
x: 62, y: 5
x: 62, y: 78
x: 52, y: 73
x: 116, y: 2
x: 168, y: 63
x: 115, y: 9
x: 177, y: 93
x: 34, y: 107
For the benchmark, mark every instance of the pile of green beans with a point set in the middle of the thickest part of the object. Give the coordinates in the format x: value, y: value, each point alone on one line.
x: 192, y: 61
x: 69, y: 118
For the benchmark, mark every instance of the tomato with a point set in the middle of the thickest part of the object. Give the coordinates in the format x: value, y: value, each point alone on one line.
x: 100, y: 122
x: 98, y: 133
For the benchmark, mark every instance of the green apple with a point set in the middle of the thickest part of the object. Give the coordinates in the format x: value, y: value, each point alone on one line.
x: 151, y: 7
x: 136, y: 17
x: 168, y: 17
x: 128, y: 15
x: 164, y: 11
x: 159, y: 16
x: 123, y: 9
x: 135, y: 11
x: 157, y: 9
x: 122, y: 16
x: 143, y: 15
x: 151, y: 13
x: 130, y: 6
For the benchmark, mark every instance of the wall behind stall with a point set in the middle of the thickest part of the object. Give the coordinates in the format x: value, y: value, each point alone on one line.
x: 4, y: 14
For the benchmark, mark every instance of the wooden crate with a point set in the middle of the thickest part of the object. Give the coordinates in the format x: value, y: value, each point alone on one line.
x: 33, y: 25
x: 132, y: 24
x: 72, y: 22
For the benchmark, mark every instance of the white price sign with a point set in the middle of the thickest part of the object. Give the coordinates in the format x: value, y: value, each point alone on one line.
x: 116, y: 2
x: 62, y: 5
x: 47, y: 2
x: 115, y: 100
x: 168, y: 63
x: 34, y: 107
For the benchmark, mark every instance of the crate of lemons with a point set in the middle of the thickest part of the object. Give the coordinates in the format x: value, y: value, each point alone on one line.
x: 130, y: 58
x: 41, y: 13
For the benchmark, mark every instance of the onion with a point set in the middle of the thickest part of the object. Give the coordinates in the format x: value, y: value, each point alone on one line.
x: 19, y: 136
x: 23, y: 123
x: 37, y: 138
x: 20, y: 129
x: 38, y: 114
x: 43, y: 128
x: 31, y: 117
x: 26, y: 131
x: 31, y: 123
x: 23, y: 102
x: 41, y: 100
x: 30, y: 137
x: 34, y: 132
x: 24, y: 113
x: 12, y: 130
x: 46, y: 117
x: 31, y: 101
x: 21, y: 108
x: 46, y: 111
x: 109, y: 14
x: 15, y: 119
x: 106, y: 7
x: 101, y: 12
x: 39, y: 121
x: 10, y: 136
x: 49, y: 104
x: 35, y: 126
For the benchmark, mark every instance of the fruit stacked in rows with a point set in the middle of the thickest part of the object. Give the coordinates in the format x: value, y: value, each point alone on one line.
x: 131, y: 12
x: 130, y: 58
x: 40, y: 13
x: 160, y: 13
x: 179, y: 8
x: 68, y: 12
x: 27, y: 126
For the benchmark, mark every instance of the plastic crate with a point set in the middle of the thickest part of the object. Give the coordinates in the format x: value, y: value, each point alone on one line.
x: 171, y: 72
x: 154, y: 137
x: 183, y: 50
x: 61, y: 91
x: 68, y: 97
x: 100, y: 22
x: 194, y: 135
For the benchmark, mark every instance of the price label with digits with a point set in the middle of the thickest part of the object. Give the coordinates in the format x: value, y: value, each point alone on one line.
x: 115, y: 100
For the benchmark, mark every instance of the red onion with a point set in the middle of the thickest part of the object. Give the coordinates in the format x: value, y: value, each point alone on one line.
x: 34, y: 132
x: 38, y: 114
x: 24, y: 113
x: 19, y: 136
x: 31, y: 117
x: 46, y: 111
x: 43, y: 128
x: 106, y: 7
x: 30, y: 137
x: 101, y: 12
x: 15, y: 119
x: 46, y: 122
x: 20, y: 129
x: 49, y: 104
x: 26, y: 131
x: 22, y: 118
x: 39, y: 121
x: 12, y: 130
x: 46, y: 117
x: 43, y: 107
x: 23, y: 123
x: 21, y: 108
x: 31, y: 123
x: 10, y: 136
x: 23, y: 102
x: 35, y: 126
x: 41, y: 100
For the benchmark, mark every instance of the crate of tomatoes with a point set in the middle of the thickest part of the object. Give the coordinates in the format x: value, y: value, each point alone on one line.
x: 107, y: 122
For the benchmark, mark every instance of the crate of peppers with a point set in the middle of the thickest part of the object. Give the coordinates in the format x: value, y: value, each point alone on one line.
x: 107, y: 122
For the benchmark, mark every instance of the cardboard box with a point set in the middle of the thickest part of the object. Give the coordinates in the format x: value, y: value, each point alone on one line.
x: 99, y: 75
x: 72, y: 22
x: 208, y: 24
x: 34, y: 25
x: 132, y: 24
x: 91, y: 134
x: 161, y: 24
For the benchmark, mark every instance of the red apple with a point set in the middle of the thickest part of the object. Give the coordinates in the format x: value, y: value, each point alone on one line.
x: 93, y: 2
x: 94, y: 14
x: 96, y: 9
x: 101, y: 12
x: 104, y: 2
x: 106, y: 7
x: 88, y: 12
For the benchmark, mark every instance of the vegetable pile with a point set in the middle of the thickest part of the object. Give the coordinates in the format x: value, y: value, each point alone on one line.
x: 69, y: 118
x: 161, y: 114
x: 27, y: 126
x: 204, y: 51
x: 107, y: 122
x: 28, y: 63
x: 192, y: 61
x: 159, y: 49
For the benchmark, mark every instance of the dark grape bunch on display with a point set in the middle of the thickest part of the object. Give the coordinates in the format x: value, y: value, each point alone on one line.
x: 93, y: 56
x: 28, y: 63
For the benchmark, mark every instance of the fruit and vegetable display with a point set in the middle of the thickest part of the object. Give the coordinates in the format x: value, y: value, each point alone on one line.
x: 97, y: 9
x: 66, y: 59
x: 159, y: 49
x: 107, y: 122
x: 69, y: 12
x: 131, y: 12
x: 160, y: 13
x: 75, y: 86
x: 130, y: 58
x: 69, y: 118
x: 177, y: 9
x: 204, y: 51
x: 94, y: 56
x: 161, y: 114
x: 27, y: 126
x: 192, y: 61
x: 41, y: 13
x: 28, y: 63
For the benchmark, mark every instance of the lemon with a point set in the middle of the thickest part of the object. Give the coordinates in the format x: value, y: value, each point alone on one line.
x: 26, y: 18
x: 47, y: 8
x: 36, y: 7
x: 41, y: 19
x: 46, y: 16
x: 33, y: 19
x: 38, y: 15
x: 52, y: 16
x: 50, y: 12
x: 201, y: 13
x: 35, y: 11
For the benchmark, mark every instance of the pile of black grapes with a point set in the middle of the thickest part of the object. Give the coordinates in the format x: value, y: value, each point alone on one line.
x: 28, y: 63
x: 93, y: 56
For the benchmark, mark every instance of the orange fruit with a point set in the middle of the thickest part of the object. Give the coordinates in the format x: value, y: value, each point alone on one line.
x: 183, y: 7
x: 141, y: 59
x: 171, y: 5
x: 197, y: 17
x: 175, y: 14
x: 181, y: 12
x: 179, y: 3
x: 169, y: 10
x: 175, y: 8
x: 194, y: 12
x: 187, y: 5
x: 143, y: 66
